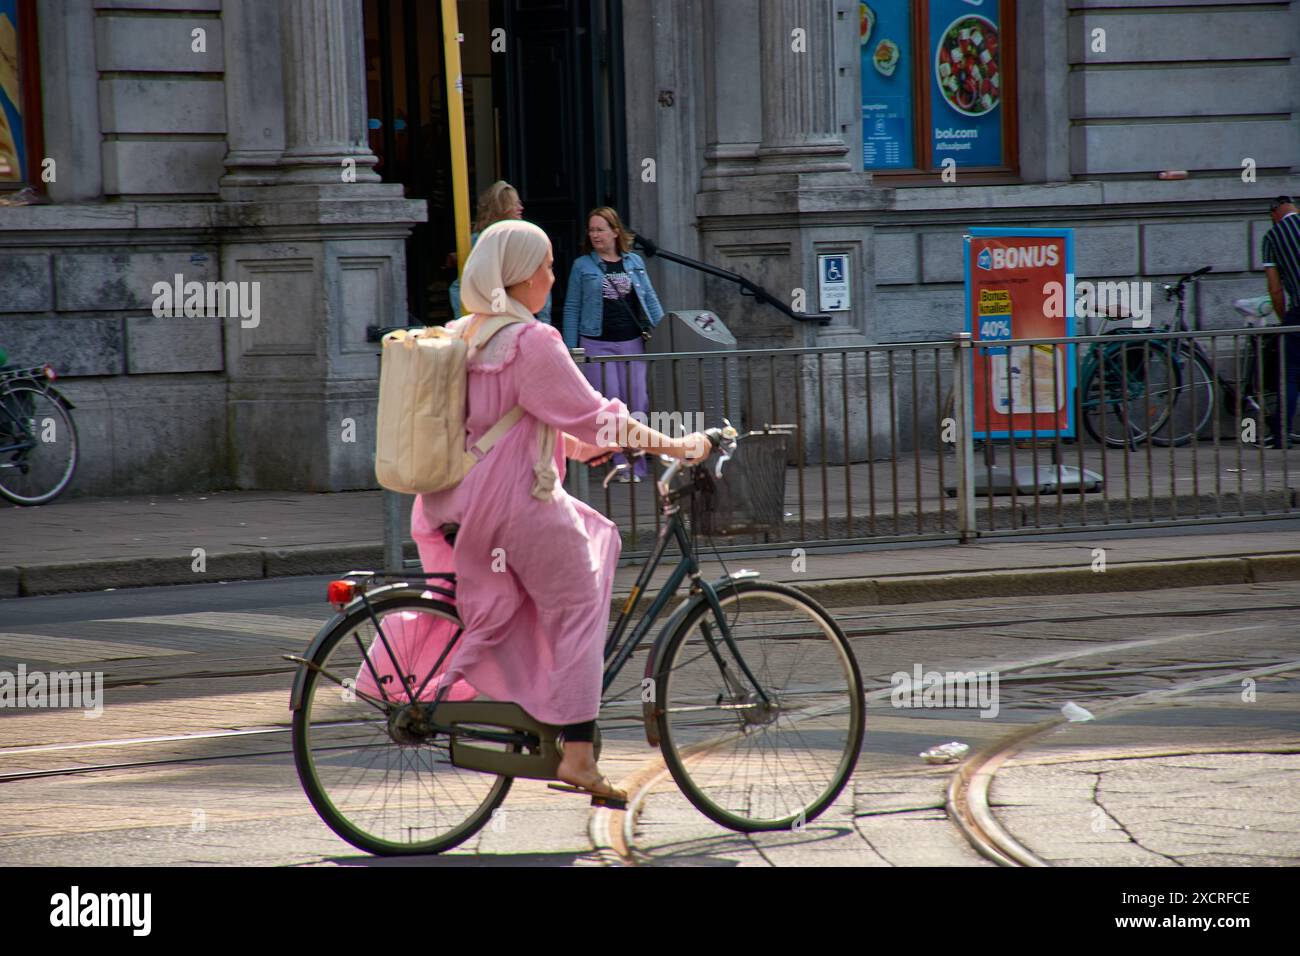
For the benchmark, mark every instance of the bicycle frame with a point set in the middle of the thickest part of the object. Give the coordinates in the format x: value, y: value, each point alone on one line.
x: 619, y: 647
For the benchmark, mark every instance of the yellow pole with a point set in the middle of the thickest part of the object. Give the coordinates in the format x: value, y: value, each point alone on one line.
x: 456, y: 124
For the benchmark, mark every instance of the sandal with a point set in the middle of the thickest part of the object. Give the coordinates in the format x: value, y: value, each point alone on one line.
x: 602, y: 795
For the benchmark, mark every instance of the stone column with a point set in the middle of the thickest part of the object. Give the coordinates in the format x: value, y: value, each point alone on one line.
x: 254, y: 95
x: 800, y: 133
x: 322, y: 51
x: 732, y: 90
x: 326, y: 252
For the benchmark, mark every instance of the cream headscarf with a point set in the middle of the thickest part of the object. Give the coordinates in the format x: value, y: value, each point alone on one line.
x: 507, y: 253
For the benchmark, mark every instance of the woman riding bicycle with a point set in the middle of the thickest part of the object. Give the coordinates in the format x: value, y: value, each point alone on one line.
x: 534, y: 567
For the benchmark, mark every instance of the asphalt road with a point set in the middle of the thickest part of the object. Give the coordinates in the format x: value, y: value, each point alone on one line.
x: 169, y: 774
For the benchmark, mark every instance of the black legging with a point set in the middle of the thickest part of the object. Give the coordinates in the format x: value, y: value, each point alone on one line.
x: 583, y: 733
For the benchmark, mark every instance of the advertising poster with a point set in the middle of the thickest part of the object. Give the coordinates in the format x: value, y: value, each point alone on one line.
x: 965, y: 62
x: 884, y: 34
x: 1020, y: 285
x: 12, y: 152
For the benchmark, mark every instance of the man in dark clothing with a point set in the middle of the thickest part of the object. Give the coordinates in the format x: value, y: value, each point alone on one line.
x: 1282, y: 266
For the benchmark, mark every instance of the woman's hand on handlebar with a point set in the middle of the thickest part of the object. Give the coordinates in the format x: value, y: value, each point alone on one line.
x: 696, y: 447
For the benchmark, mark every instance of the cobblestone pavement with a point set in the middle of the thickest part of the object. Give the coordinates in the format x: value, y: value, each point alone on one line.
x: 1135, y: 787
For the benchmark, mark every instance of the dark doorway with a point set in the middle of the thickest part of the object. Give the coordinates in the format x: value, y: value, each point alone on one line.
x: 543, y: 84
x: 562, y: 101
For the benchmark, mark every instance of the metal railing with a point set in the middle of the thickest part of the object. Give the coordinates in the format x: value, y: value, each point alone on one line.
x: 1169, y: 430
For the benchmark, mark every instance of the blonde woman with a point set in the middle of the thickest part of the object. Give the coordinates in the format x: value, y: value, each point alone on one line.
x: 498, y: 202
x: 535, y: 627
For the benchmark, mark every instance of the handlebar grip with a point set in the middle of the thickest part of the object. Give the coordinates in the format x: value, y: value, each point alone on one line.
x: 1201, y: 272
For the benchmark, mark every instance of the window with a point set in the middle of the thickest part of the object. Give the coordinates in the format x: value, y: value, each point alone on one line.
x: 938, y: 83
x: 20, y: 145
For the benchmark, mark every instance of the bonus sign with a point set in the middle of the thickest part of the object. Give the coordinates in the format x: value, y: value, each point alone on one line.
x: 1020, y: 285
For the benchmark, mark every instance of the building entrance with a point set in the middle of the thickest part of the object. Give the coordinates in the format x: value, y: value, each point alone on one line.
x: 543, y: 86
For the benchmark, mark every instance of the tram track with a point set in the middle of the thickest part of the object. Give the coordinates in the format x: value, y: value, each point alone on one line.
x: 1016, y: 674
x: 967, y: 802
x: 968, y: 793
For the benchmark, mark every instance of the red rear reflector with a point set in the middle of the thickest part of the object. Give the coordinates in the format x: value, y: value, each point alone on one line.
x: 341, y: 592
x: 49, y: 373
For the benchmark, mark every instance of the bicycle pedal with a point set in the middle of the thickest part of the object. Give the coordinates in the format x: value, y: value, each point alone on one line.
x: 613, y: 803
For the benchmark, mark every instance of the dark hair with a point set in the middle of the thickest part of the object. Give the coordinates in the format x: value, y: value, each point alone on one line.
x: 1279, y: 202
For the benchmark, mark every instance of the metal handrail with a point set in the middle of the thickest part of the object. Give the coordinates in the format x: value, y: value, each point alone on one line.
x: 760, y: 295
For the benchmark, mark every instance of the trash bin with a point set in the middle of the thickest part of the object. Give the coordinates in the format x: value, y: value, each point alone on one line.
x: 675, y: 386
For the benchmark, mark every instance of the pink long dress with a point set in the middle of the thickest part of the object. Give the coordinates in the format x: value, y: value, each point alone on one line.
x: 533, y: 577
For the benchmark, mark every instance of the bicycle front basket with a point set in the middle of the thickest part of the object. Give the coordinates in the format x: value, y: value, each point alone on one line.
x: 749, y: 498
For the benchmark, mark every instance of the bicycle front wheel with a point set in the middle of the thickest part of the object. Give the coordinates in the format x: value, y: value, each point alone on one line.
x: 762, y: 731
x: 373, y: 773
x: 38, y: 445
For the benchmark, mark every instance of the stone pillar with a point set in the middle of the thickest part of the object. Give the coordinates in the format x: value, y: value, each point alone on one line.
x: 254, y: 95
x: 322, y: 50
x: 733, y: 111
x: 800, y: 133
x: 326, y: 252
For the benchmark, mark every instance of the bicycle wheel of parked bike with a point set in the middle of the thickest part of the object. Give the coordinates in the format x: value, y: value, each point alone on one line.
x: 373, y: 773
x: 750, y: 760
x: 1194, y: 405
x: 38, y: 445
x: 1127, y: 394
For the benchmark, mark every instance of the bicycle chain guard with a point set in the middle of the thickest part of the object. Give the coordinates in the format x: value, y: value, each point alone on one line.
x: 535, y: 763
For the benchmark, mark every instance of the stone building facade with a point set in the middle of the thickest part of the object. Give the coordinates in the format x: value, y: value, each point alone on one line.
x: 216, y: 141
x: 223, y: 164
x: 760, y: 158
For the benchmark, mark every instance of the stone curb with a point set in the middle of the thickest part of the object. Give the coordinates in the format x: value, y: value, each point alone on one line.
x: 255, y: 564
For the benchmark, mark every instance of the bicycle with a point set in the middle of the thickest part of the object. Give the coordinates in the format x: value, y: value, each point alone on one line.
x: 1251, y: 392
x: 750, y: 690
x: 38, y: 440
x: 1141, y: 383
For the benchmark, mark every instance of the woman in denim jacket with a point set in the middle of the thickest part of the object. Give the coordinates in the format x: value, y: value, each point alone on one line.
x: 609, y: 309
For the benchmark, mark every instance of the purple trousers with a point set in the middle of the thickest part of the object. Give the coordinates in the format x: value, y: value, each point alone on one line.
x: 622, y: 380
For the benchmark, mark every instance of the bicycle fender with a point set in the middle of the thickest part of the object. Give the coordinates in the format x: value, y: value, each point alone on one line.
x: 47, y: 388
x: 300, y: 676
x: 650, y: 708
x: 60, y: 396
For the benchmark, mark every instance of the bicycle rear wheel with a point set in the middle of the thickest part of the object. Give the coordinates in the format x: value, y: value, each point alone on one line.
x: 1128, y: 395
x: 374, y: 777
x: 38, y: 445
x: 747, y: 763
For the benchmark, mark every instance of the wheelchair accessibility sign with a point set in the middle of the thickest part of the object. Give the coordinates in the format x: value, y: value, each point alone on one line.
x: 833, y: 283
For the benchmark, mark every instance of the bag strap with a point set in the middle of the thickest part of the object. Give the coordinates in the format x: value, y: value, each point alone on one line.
x: 493, y: 325
x: 498, y: 431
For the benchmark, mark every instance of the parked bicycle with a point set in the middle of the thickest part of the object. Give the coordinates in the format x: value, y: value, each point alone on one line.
x: 1165, y: 391
x: 38, y: 440
x: 1139, y: 383
x: 750, y: 690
